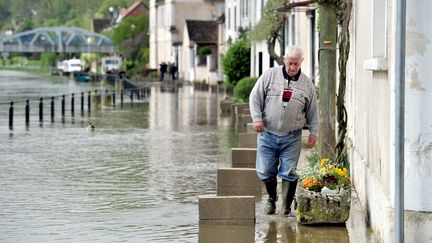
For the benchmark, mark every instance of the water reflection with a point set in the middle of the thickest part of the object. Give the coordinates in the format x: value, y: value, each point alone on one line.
x: 226, y: 233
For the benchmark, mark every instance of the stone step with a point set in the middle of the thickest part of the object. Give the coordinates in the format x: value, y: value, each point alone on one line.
x: 225, y: 107
x: 243, y: 157
x: 238, y: 182
x: 248, y: 140
x: 239, y: 109
x: 232, y: 210
x: 242, y: 121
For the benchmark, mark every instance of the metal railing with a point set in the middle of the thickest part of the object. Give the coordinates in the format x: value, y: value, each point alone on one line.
x: 109, y: 95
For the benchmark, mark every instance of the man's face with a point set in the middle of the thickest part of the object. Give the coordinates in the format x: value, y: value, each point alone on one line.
x: 293, y: 65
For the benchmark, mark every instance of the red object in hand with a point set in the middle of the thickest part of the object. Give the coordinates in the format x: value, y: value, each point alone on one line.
x: 287, y: 93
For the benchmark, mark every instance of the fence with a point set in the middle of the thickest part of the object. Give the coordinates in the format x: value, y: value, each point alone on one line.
x: 95, y: 97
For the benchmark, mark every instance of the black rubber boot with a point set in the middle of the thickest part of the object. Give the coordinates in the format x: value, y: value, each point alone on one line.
x: 288, y: 192
x: 271, y: 187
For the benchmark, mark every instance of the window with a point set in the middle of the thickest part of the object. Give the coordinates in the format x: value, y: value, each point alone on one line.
x: 229, y: 18
x: 235, y: 17
x: 161, y: 16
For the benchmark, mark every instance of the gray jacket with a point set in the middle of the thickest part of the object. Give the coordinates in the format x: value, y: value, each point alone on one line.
x: 265, y: 103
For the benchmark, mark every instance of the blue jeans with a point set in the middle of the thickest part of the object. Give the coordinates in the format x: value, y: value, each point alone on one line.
x: 278, y: 155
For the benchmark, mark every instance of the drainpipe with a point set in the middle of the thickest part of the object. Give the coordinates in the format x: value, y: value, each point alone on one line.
x: 399, y: 119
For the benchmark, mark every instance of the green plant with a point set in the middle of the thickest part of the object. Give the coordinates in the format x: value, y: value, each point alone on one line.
x: 236, y: 62
x: 127, y: 65
x: 243, y: 89
x: 204, y: 50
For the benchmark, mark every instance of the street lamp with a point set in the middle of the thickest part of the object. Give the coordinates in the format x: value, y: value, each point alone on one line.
x: 133, y: 27
x: 89, y: 41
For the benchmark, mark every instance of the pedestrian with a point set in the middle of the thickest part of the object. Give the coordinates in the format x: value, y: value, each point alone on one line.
x: 173, y: 71
x: 281, y: 102
x: 163, y: 69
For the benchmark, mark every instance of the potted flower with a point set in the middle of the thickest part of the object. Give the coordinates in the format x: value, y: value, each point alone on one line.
x: 324, y: 194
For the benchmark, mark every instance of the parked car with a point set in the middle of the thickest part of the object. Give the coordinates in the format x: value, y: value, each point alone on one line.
x: 81, y: 76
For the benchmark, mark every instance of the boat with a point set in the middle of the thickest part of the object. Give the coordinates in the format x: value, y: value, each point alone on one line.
x: 81, y: 77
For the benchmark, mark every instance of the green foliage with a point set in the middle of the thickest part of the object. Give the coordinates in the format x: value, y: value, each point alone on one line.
x: 204, y: 50
x: 243, y: 89
x: 236, y: 62
x: 130, y: 28
x: 143, y: 57
x: 48, y: 59
x: 270, y: 23
x: 128, y: 65
x: 43, y: 13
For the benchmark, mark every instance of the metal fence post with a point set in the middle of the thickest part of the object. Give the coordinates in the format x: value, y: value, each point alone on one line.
x: 89, y: 101
x: 82, y: 103
x: 113, y: 98
x: 41, y: 109
x: 63, y: 105
x: 73, y: 104
x: 52, y: 108
x: 11, y: 111
x: 27, y: 112
x: 121, y: 98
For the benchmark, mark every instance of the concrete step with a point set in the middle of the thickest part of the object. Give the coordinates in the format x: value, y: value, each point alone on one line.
x: 248, y: 140
x: 238, y: 182
x: 243, y: 157
x: 232, y: 210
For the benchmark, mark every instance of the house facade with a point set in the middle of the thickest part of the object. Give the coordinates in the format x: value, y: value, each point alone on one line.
x: 299, y: 30
x: 167, y: 24
x: 370, y: 103
x: 200, y: 36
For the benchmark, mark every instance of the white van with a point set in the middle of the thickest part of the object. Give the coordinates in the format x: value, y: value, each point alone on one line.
x: 111, y: 64
x: 69, y: 66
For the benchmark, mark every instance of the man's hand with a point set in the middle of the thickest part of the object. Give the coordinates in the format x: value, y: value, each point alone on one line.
x: 258, y: 126
x: 311, y: 140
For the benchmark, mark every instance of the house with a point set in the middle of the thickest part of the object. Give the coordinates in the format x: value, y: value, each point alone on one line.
x: 137, y: 9
x: 100, y: 25
x: 200, y: 35
x: 299, y: 30
x: 372, y: 115
x: 167, y: 24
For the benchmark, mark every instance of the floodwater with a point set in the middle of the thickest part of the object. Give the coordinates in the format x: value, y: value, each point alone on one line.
x: 136, y: 178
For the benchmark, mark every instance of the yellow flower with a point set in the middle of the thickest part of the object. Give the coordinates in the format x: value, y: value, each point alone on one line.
x: 341, y: 172
x: 324, y: 162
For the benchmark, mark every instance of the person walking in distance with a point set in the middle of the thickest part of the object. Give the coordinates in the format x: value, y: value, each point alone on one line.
x: 281, y: 102
x: 163, y: 70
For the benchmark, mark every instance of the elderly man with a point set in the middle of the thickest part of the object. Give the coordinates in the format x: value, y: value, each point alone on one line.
x: 282, y: 100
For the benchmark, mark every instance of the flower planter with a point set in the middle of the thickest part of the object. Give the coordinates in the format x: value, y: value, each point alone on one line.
x: 317, y: 208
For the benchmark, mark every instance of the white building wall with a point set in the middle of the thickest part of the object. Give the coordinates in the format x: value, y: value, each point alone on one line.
x: 167, y: 21
x: 370, y: 105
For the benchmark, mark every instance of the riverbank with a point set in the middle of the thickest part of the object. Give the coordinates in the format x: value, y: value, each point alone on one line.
x: 26, y: 68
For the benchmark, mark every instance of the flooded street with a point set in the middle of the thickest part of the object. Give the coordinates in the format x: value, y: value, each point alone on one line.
x: 137, y: 178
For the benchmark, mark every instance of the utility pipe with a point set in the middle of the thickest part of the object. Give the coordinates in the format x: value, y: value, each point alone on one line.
x: 400, y: 118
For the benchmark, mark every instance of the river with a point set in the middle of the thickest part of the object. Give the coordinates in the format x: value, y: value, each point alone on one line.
x: 136, y: 178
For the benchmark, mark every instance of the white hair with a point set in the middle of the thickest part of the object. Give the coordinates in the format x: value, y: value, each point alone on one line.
x: 293, y: 51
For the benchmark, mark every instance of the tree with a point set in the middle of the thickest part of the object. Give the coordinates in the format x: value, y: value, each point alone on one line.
x: 130, y: 36
x: 236, y: 62
x: 333, y: 13
x: 269, y: 28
